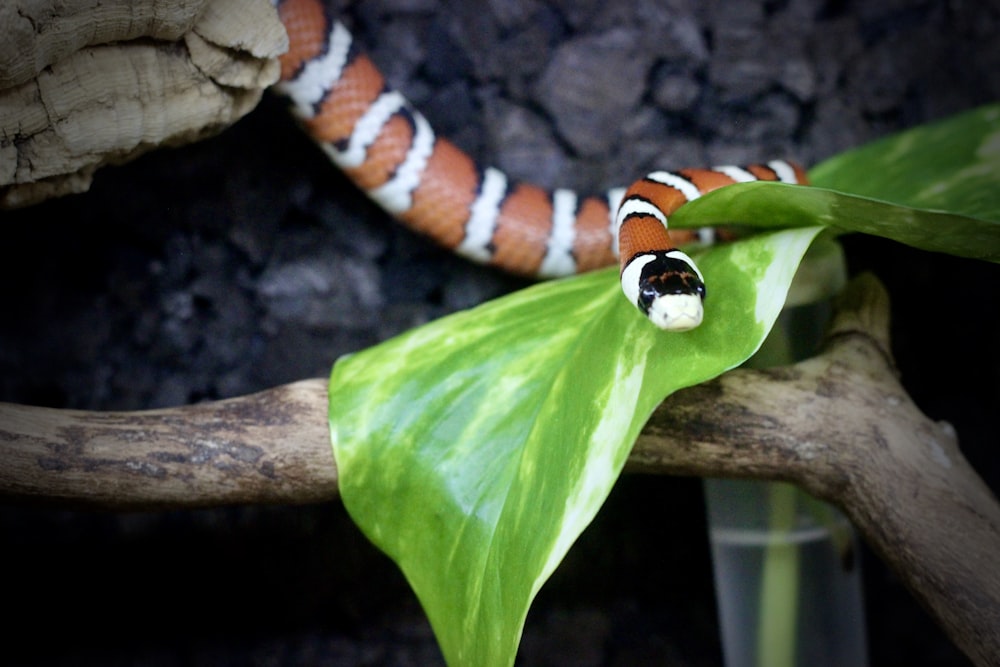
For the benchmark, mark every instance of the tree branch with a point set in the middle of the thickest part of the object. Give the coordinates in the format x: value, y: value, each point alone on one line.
x: 268, y: 447
x: 839, y: 424
x: 842, y: 427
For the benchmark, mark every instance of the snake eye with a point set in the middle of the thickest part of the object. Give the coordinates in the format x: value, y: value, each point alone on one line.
x: 668, y: 274
x: 647, y: 295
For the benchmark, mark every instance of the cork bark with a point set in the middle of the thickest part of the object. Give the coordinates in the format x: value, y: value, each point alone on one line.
x: 85, y: 83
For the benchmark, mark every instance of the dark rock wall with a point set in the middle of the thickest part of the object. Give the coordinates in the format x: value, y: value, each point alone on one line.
x: 247, y: 261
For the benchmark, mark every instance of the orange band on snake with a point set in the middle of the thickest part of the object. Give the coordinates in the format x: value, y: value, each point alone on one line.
x: 391, y: 152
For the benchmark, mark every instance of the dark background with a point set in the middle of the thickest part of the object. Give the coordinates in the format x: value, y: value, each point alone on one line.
x: 247, y: 261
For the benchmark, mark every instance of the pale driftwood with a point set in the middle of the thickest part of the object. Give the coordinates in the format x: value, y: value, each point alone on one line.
x: 85, y: 83
x: 839, y: 424
x: 269, y: 447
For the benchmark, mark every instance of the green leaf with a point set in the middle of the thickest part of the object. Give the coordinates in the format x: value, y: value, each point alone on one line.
x: 776, y: 205
x: 950, y: 165
x: 935, y: 187
x: 475, y: 449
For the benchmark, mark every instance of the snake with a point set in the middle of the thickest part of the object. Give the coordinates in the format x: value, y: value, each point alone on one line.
x: 389, y: 150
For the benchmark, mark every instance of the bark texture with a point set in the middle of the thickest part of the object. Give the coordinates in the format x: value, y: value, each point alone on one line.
x: 85, y: 83
x: 839, y: 424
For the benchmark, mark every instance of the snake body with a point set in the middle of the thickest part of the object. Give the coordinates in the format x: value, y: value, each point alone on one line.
x: 390, y: 151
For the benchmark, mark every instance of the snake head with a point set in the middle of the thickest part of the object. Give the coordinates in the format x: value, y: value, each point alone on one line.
x: 669, y: 289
